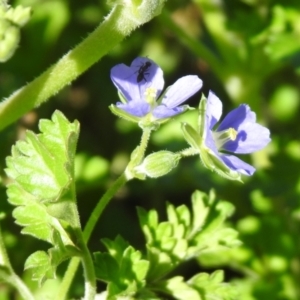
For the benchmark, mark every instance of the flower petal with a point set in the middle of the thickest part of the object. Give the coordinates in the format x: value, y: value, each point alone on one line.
x: 236, y: 117
x: 181, y: 90
x: 210, y: 142
x: 135, y: 108
x: 251, y: 136
x: 213, y: 110
x: 134, y: 80
x: 122, y: 77
x: 162, y: 111
x: 147, y: 74
x: 237, y: 164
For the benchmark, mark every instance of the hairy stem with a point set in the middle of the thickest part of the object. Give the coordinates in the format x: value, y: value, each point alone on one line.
x: 97, y: 212
x: 70, y: 273
x: 8, y: 275
x: 89, y: 272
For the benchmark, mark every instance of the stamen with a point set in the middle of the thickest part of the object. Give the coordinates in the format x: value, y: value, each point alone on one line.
x: 224, y: 136
x: 150, y: 95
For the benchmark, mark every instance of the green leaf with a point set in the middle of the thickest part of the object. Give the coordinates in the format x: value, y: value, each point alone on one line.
x: 201, y: 286
x: 122, y: 268
x: 213, y: 287
x: 186, y: 234
x: 41, y: 266
x: 179, y: 289
x: 43, y: 164
x: 41, y: 168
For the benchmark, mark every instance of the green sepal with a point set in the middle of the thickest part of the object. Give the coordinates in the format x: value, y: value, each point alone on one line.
x: 122, y: 97
x: 191, y: 135
x: 135, y: 160
x: 213, y: 163
x: 202, y: 118
x: 123, y: 114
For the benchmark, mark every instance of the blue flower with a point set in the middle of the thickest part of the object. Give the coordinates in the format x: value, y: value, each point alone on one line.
x: 140, y: 89
x: 238, y: 133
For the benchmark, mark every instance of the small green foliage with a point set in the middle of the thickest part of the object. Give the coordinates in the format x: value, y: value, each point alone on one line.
x: 40, y: 263
x: 199, y: 287
x: 185, y: 235
x: 42, y: 172
x: 43, y: 265
x: 122, y: 268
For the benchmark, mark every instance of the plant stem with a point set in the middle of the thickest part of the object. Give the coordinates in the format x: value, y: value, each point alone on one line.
x: 23, y: 290
x: 101, y: 206
x: 144, y: 142
x: 188, y: 152
x: 89, y: 271
x: 68, y: 278
x: 74, y: 263
x: 7, y: 273
x: 96, y: 214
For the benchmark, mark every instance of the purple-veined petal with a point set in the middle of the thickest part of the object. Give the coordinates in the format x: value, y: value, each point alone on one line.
x: 181, y: 90
x: 162, y: 111
x: 236, y: 117
x: 237, y: 164
x: 251, y: 137
x: 213, y: 110
x: 135, y: 108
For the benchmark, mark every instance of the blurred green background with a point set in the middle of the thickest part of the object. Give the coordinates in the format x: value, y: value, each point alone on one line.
x: 246, y: 51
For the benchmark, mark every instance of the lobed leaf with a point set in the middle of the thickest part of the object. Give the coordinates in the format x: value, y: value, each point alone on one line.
x: 41, y: 169
x: 122, y: 268
x: 186, y: 234
x: 199, y: 287
x: 40, y: 264
x: 41, y: 164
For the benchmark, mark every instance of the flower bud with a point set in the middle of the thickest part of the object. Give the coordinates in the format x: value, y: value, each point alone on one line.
x: 9, y: 39
x: 19, y: 15
x: 11, y: 19
x: 158, y: 164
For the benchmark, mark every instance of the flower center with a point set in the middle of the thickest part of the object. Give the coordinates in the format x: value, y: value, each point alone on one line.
x: 224, y: 136
x: 150, y: 96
